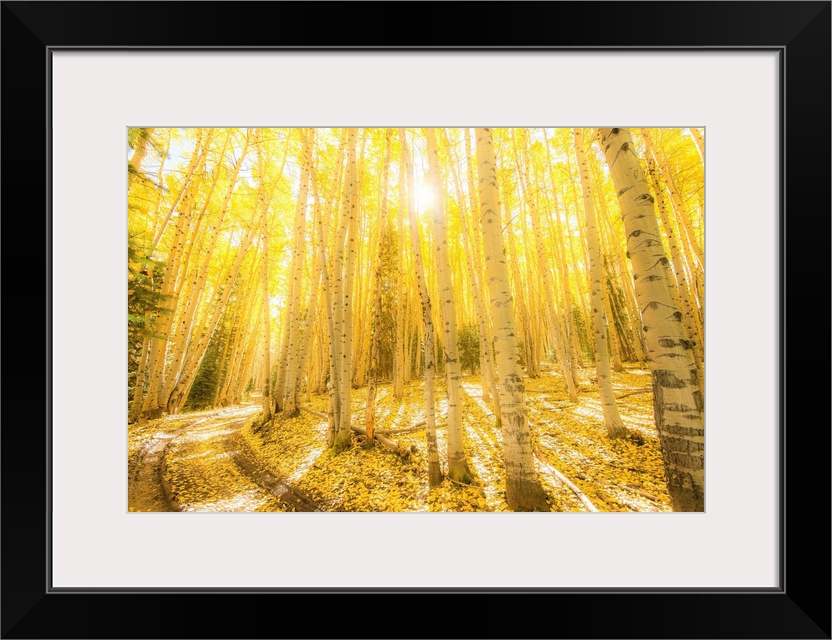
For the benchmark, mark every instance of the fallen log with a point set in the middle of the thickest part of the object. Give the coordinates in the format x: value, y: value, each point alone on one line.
x: 403, y: 452
x: 581, y: 495
x: 649, y: 496
x: 634, y: 393
x: 320, y: 415
x: 416, y: 427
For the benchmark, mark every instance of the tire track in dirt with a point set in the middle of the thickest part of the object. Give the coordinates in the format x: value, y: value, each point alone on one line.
x: 147, y: 489
x: 276, y: 484
x: 217, y: 435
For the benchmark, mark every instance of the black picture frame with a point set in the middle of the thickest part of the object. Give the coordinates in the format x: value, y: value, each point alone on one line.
x: 798, y: 608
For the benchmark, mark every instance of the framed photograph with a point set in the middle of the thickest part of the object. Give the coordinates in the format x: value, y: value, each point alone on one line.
x: 739, y: 90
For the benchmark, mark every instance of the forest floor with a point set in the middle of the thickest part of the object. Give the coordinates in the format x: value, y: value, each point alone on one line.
x: 222, y: 460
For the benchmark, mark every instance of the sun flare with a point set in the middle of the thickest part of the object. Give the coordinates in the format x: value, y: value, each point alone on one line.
x: 424, y: 196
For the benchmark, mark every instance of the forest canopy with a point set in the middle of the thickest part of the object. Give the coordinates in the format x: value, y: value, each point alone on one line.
x: 416, y: 319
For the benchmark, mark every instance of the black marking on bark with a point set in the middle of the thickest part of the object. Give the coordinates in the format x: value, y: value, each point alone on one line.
x: 679, y: 430
x: 697, y: 398
x: 667, y: 379
x: 678, y: 407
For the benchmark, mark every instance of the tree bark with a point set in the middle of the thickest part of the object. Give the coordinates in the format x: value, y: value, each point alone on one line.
x: 615, y: 427
x: 267, y: 319
x: 375, y: 297
x: 489, y: 384
x: 289, y: 399
x: 548, y: 286
x: 523, y: 490
x: 457, y: 465
x: 434, y: 470
x: 677, y: 399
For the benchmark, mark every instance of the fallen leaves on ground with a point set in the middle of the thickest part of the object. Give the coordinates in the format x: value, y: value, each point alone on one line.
x: 233, y: 463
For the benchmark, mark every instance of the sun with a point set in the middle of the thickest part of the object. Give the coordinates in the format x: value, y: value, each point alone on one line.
x: 424, y: 196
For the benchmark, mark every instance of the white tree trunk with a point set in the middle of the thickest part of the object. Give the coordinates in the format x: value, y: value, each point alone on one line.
x: 523, y: 490
x: 615, y: 428
x: 434, y: 470
x: 289, y: 399
x: 457, y: 466
x: 677, y: 399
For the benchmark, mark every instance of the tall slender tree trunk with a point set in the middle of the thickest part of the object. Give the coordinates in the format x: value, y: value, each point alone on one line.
x: 434, y: 470
x: 345, y: 270
x: 489, y: 388
x: 615, y: 427
x: 699, y: 139
x: 289, y: 401
x: 194, y: 359
x: 689, y: 318
x: 136, y: 406
x: 563, y: 270
x: 548, y: 286
x: 139, y: 154
x: 676, y: 200
x: 677, y: 398
x: 457, y: 465
x: 264, y: 266
x: 197, y: 159
x: 376, y: 298
x: 523, y: 490
x: 626, y: 278
x: 329, y: 310
x: 615, y: 340
x: 318, y: 280
x: 161, y: 327
x: 194, y: 286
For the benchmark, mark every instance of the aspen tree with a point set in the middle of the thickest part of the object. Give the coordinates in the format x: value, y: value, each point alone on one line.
x: 690, y: 320
x: 197, y: 158
x: 369, y: 409
x: 329, y: 310
x: 625, y: 276
x: 489, y: 389
x: 318, y: 280
x: 401, y: 300
x: 161, y: 327
x: 195, y: 286
x: 289, y: 400
x: 699, y: 139
x: 264, y: 266
x: 434, y: 470
x: 345, y: 270
x: 615, y: 428
x: 675, y: 199
x: 457, y: 466
x: 194, y: 358
x: 523, y: 490
x: 139, y: 153
x: 677, y: 398
x: 563, y: 270
x: 513, y: 261
x: 548, y: 286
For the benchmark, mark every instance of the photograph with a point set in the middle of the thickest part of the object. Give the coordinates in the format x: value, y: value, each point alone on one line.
x: 415, y: 319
